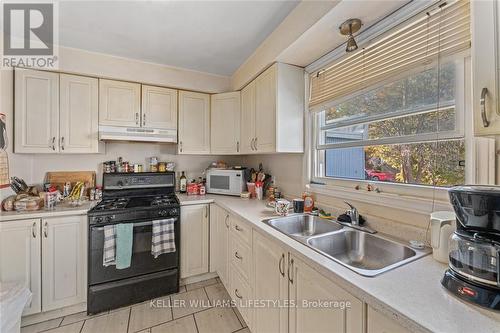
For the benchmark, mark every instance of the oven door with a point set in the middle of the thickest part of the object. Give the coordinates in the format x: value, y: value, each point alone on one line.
x: 142, y: 261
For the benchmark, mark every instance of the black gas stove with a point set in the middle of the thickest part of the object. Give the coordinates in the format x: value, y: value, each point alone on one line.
x: 137, y: 199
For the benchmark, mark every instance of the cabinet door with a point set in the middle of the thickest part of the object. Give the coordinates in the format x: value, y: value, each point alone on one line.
x: 247, y: 119
x: 194, y: 240
x: 265, y: 111
x: 20, y: 258
x: 379, y: 323
x: 219, y: 232
x: 119, y: 103
x: 159, y: 107
x: 79, y: 114
x: 64, y: 264
x: 307, y: 286
x: 225, y: 123
x: 36, y: 111
x: 485, y: 67
x: 269, y: 283
x: 194, y: 123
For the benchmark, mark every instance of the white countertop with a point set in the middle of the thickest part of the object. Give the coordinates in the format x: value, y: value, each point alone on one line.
x: 59, y: 210
x: 411, y: 294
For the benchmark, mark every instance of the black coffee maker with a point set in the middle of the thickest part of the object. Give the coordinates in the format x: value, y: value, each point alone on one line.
x: 474, y: 265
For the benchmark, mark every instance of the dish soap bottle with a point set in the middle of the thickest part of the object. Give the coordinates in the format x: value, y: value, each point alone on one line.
x: 183, y: 183
x: 308, y: 202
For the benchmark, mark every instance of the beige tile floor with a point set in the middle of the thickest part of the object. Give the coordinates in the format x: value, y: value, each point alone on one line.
x: 190, y: 311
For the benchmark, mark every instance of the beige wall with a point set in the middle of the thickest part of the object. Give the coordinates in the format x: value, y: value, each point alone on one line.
x: 32, y: 167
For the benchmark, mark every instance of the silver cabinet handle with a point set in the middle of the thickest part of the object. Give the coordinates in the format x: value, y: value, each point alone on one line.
x: 225, y: 221
x: 53, y: 143
x: 238, y: 228
x: 486, y: 122
x: 62, y: 143
x: 237, y: 146
x: 236, y: 292
x: 33, y: 229
x: 255, y: 144
x: 46, y: 229
x: 143, y: 119
x: 180, y: 143
x: 237, y: 255
x: 290, y: 276
x: 206, y: 211
x: 282, y: 261
x: 137, y: 118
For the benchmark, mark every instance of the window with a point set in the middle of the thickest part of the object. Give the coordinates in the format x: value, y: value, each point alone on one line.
x: 409, y: 130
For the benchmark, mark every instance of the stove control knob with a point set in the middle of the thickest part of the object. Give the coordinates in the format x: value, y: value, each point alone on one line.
x: 173, y: 212
x: 98, y: 219
x: 162, y: 212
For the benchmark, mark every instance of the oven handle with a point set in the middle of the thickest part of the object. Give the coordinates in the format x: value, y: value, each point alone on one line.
x: 141, y: 224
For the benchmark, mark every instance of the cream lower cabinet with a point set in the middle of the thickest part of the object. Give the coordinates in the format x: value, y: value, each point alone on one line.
x: 194, y: 240
x: 21, y: 258
x: 194, y: 123
x: 64, y: 263
x: 379, y: 323
x: 319, y: 304
x: 219, y: 242
x: 50, y: 256
x: 270, y: 285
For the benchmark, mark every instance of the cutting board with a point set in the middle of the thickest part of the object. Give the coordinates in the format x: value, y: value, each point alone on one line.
x: 59, y: 178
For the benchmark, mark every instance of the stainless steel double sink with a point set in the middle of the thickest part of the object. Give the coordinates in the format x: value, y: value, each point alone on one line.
x: 364, y: 253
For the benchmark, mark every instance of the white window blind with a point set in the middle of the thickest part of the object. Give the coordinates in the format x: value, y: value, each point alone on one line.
x: 440, y: 32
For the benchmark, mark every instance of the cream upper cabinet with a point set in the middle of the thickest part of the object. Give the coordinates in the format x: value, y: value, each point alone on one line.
x: 55, y: 113
x: 219, y: 233
x: 273, y: 111
x: 64, y: 264
x: 194, y: 123
x: 265, y: 111
x: 379, y: 323
x: 270, y: 283
x: 119, y: 103
x: 20, y: 258
x: 306, y: 285
x: 36, y: 111
x: 485, y: 66
x: 79, y: 114
x: 194, y: 240
x: 159, y: 107
x: 247, y: 136
x: 225, y: 123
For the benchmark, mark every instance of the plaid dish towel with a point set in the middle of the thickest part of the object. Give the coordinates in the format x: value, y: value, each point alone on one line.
x: 109, y: 254
x: 163, y: 240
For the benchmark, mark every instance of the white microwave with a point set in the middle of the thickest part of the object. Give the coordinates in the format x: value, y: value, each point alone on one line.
x: 226, y: 181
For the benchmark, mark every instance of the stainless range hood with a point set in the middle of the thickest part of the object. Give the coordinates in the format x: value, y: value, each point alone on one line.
x: 117, y: 133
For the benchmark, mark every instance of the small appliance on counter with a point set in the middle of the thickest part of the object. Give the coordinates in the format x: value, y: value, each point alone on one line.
x: 226, y: 181
x: 442, y: 227
x: 474, y: 254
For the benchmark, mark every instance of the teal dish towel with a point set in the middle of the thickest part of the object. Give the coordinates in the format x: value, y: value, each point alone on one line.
x: 124, y: 240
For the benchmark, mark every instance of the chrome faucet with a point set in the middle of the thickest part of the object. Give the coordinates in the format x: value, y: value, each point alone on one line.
x: 353, y: 214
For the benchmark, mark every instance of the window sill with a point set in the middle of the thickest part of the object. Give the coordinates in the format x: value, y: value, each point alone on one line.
x: 409, y: 203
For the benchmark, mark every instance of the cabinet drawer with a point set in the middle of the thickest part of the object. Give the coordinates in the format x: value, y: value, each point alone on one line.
x: 241, y: 293
x: 241, y: 257
x: 241, y: 230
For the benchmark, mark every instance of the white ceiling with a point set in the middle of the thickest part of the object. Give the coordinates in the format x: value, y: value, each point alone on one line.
x: 324, y: 36
x: 208, y: 36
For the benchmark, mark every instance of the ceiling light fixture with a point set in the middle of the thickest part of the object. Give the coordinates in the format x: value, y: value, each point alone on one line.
x: 348, y: 28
